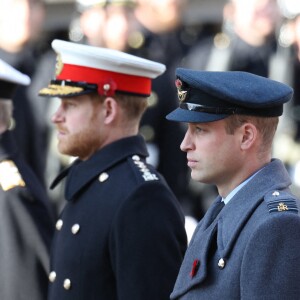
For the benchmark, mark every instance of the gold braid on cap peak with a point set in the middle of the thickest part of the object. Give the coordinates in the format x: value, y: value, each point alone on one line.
x: 54, y: 89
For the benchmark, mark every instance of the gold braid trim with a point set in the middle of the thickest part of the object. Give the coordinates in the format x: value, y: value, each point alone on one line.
x: 54, y: 89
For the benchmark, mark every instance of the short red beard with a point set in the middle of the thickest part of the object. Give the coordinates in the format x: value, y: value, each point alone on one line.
x: 82, y: 144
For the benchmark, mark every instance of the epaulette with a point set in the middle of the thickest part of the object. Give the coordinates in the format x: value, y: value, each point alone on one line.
x: 146, y: 173
x: 10, y: 176
x: 281, y: 201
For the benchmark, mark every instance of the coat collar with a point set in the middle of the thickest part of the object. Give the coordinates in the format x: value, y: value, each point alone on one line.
x: 228, y: 224
x: 244, y: 203
x: 82, y: 172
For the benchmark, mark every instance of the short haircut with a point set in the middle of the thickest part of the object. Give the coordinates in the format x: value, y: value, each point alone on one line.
x: 265, y: 125
x: 134, y: 106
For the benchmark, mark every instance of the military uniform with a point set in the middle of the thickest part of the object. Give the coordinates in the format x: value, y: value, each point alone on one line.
x: 26, y: 227
x: 30, y: 127
x: 121, y: 234
x: 251, y: 250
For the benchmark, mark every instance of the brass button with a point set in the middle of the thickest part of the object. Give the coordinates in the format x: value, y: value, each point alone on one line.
x: 221, y: 263
x: 67, y: 284
x: 75, y: 228
x: 103, y: 177
x: 136, y: 157
x: 59, y: 224
x: 52, y: 276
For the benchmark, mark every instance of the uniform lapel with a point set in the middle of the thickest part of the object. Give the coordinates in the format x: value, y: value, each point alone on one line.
x: 194, y: 267
x: 236, y: 213
x: 84, y: 172
x: 227, y: 225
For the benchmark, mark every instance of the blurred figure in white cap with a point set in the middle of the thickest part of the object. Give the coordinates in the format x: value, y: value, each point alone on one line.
x: 26, y: 221
x: 21, y: 25
x: 121, y: 234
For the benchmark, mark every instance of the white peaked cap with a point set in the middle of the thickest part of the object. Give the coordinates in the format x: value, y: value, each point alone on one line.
x: 10, y: 74
x: 81, y: 69
x: 106, y: 59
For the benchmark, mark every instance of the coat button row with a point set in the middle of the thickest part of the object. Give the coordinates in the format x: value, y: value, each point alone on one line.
x: 103, y: 177
x: 221, y: 263
x: 52, y: 276
x: 75, y: 228
x: 67, y: 282
x: 59, y: 224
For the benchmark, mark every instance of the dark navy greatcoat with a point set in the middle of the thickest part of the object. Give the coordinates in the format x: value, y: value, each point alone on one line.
x: 251, y: 250
x: 26, y: 227
x: 121, y: 234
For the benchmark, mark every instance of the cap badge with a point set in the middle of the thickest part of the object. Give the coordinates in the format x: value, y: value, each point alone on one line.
x: 181, y: 94
x: 59, y: 65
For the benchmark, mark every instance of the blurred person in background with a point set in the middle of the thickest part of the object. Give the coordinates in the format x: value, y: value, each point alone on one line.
x: 21, y: 23
x: 26, y: 219
x: 286, y: 68
x: 247, y: 40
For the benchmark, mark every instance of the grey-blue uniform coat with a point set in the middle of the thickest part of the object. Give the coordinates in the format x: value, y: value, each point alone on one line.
x: 121, y: 234
x: 251, y: 250
x: 26, y: 227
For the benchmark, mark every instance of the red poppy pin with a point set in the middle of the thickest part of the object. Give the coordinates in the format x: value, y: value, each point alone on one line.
x: 195, y: 268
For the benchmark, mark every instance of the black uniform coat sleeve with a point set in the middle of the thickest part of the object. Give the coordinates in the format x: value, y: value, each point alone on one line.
x: 121, y: 234
x: 26, y: 228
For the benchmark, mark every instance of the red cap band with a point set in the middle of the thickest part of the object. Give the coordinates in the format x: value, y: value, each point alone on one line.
x: 124, y: 82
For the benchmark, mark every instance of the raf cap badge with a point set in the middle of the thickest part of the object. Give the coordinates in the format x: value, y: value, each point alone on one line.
x: 181, y: 94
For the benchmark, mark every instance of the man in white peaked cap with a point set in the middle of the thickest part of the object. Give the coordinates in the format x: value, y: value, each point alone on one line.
x: 121, y: 234
x: 26, y: 221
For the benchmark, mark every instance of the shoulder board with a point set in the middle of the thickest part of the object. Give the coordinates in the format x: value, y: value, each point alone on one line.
x: 281, y: 201
x: 10, y: 176
x: 147, y: 175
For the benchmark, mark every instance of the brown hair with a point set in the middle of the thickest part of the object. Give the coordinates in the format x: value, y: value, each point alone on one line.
x: 133, y: 106
x: 265, y: 125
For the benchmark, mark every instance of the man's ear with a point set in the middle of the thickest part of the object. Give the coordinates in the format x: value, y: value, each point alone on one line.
x: 111, y: 110
x: 249, y: 135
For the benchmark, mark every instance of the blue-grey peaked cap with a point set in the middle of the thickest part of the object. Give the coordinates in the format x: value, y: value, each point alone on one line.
x: 206, y: 96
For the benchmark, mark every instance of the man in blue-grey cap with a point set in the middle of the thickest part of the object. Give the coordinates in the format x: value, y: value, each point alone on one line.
x: 250, y: 248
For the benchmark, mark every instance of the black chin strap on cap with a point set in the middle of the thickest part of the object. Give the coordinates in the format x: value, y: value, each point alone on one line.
x: 263, y: 112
